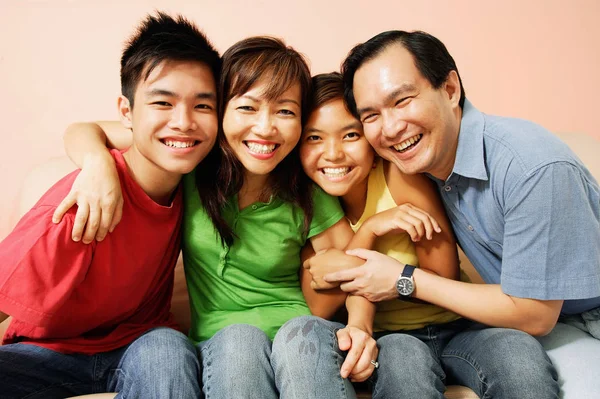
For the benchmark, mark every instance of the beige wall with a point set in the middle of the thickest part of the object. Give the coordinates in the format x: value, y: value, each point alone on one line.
x: 59, y: 59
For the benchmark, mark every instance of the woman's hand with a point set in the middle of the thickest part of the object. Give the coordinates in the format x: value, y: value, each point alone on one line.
x: 97, y: 193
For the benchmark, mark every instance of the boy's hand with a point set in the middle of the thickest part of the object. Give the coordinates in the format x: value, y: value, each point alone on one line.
x: 361, y: 348
x: 97, y: 193
x: 329, y: 261
x: 404, y: 218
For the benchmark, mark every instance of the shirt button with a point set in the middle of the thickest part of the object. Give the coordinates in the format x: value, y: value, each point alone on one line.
x: 470, y: 228
x: 255, y: 207
x: 447, y: 188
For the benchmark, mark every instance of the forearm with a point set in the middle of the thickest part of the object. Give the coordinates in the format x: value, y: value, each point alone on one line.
x: 83, y: 140
x: 361, y: 313
x: 363, y: 238
x: 321, y: 303
x: 487, y: 304
x: 3, y: 316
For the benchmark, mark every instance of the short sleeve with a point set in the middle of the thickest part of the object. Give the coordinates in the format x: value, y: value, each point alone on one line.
x: 327, y: 211
x: 551, y: 246
x: 40, y: 266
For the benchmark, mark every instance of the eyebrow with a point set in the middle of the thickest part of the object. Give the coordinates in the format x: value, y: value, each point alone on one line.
x: 405, y: 87
x: 206, y: 95
x: 281, y: 101
x: 353, y: 125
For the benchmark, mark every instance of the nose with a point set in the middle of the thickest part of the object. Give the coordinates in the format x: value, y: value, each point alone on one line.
x: 333, y: 151
x: 182, y: 119
x: 393, y: 125
x: 263, y: 124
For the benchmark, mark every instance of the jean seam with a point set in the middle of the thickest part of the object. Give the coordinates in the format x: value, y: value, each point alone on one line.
x: 333, y: 331
x: 206, y: 370
x: 473, y: 364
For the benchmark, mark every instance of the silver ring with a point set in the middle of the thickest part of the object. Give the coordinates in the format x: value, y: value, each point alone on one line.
x: 375, y: 363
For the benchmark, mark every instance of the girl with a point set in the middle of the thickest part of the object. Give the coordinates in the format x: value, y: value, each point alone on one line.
x: 411, y: 336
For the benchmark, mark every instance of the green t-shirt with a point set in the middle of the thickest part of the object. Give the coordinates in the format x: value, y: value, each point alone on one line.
x: 255, y: 281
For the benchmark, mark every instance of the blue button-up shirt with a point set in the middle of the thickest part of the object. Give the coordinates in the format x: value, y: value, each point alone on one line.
x: 525, y: 211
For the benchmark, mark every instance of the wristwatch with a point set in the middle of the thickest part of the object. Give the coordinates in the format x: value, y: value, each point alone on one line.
x: 405, y: 285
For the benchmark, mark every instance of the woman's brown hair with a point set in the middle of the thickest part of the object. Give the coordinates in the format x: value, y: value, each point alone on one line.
x: 221, y: 175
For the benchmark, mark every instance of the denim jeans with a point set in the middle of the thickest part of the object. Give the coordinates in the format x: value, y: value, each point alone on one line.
x: 307, y: 360
x: 162, y: 363
x: 236, y: 363
x: 303, y: 361
x: 494, y: 362
x: 574, y: 347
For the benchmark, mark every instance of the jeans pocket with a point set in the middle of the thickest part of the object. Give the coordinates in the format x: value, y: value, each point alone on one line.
x: 591, y: 319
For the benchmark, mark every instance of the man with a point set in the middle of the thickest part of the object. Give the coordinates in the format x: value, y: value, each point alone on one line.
x: 524, y: 209
x: 96, y: 318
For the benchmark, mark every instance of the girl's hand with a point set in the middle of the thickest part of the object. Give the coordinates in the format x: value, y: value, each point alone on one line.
x: 97, y: 193
x: 404, y: 218
x: 361, y: 348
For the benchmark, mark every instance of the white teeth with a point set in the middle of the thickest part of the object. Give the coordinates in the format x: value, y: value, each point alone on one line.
x: 336, y: 172
x: 260, y: 148
x: 179, y: 144
x: 407, y: 143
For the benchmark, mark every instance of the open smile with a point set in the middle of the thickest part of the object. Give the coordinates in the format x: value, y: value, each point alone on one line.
x: 336, y: 173
x: 179, y: 143
x: 408, y: 144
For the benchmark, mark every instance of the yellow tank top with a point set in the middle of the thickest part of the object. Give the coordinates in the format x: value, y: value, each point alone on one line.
x: 396, y: 314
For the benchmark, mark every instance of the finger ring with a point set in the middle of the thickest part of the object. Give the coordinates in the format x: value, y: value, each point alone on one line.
x: 375, y: 363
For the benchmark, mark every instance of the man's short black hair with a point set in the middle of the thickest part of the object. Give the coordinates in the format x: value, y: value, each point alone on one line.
x: 161, y: 38
x: 430, y: 55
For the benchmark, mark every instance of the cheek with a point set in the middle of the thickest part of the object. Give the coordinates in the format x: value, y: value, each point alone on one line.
x: 308, y: 157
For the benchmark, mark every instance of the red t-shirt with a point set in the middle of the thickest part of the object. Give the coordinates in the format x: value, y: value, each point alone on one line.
x: 76, y: 298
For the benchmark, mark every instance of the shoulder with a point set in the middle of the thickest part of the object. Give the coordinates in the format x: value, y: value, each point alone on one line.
x: 408, y: 188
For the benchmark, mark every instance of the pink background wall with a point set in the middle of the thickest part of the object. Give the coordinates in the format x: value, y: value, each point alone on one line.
x: 59, y: 59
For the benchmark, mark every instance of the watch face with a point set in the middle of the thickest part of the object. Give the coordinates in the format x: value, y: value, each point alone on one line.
x: 405, y: 286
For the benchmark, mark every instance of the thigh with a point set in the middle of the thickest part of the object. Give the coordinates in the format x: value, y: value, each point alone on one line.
x: 236, y: 363
x: 576, y: 356
x: 500, y: 363
x: 408, y: 368
x: 162, y: 363
x: 35, y: 372
x: 307, y: 360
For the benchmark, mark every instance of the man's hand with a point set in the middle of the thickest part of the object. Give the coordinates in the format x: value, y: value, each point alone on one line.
x: 361, y: 348
x: 404, y: 218
x: 329, y: 261
x: 97, y: 193
x: 374, y: 280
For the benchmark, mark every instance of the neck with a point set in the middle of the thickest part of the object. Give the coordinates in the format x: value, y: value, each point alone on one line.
x: 254, y: 189
x: 355, y: 201
x: 158, y: 183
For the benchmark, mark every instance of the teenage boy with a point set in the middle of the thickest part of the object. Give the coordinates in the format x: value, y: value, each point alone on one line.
x: 96, y: 318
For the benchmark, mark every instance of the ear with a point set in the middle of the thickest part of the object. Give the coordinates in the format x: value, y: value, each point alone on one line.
x: 125, y: 111
x: 452, y: 88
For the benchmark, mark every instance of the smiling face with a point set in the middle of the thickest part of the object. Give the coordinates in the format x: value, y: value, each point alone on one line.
x: 261, y: 132
x: 405, y: 119
x: 334, y: 151
x: 174, y: 119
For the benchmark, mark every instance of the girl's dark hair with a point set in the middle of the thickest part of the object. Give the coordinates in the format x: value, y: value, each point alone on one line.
x: 221, y: 174
x: 326, y: 87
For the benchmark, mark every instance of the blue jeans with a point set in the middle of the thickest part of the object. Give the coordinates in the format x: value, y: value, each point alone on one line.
x: 303, y: 361
x: 574, y: 347
x: 494, y: 362
x: 162, y: 363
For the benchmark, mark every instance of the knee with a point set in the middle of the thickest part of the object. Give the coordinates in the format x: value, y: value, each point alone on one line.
x: 168, y: 348
x: 242, y: 342
x: 403, y: 349
x: 304, y: 327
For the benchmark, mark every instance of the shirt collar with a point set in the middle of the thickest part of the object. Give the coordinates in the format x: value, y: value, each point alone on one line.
x: 469, y: 161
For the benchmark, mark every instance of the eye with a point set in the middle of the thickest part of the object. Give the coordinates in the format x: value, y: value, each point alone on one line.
x: 286, y: 112
x: 204, y: 106
x: 369, y: 118
x: 313, y: 137
x: 161, y: 103
x: 245, y: 108
x: 402, y: 101
x: 352, y: 136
